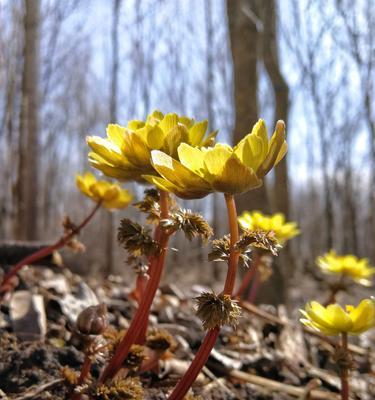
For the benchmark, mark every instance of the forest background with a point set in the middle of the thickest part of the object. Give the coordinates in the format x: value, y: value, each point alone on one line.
x: 68, y: 68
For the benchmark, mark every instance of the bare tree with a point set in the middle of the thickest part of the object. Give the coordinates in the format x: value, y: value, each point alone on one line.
x: 244, y: 37
x: 270, y: 53
x: 27, y: 181
x: 108, y: 268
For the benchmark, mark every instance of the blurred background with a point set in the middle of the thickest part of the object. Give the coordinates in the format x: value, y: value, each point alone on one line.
x: 68, y: 68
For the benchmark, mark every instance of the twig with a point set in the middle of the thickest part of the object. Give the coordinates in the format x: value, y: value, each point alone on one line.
x: 39, y: 389
x: 310, y: 386
x: 274, y: 386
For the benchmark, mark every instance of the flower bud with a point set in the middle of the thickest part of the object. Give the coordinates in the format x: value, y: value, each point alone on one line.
x: 93, y: 320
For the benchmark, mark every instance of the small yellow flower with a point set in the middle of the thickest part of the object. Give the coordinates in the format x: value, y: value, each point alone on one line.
x: 220, y: 168
x: 126, y: 152
x: 333, y: 320
x: 348, y: 265
x: 256, y: 220
x: 111, y: 195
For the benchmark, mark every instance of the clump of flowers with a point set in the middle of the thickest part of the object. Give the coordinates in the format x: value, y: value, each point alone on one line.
x: 272, y: 231
x: 103, y: 193
x: 334, y: 320
x: 110, y: 195
x: 358, y: 269
x: 126, y: 152
x: 222, y: 168
x: 276, y: 223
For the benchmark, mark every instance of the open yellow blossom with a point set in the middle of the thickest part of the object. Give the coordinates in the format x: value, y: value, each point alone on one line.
x: 333, y: 320
x: 256, y: 220
x: 347, y: 265
x: 220, y: 168
x: 126, y: 152
x: 111, y: 195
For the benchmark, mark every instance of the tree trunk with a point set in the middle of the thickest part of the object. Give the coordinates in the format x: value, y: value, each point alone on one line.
x: 281, y: 95
x: 244, y: 38
x: 109, y: 253
x: 27, y: 180
x: 275, y: 290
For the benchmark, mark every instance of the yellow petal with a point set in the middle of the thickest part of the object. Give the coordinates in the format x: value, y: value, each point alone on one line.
x: 104, y: 190
x: 81, y: 184
x: 282, y: 152
x: 120, y: 173
x: 89, y: 178
x: 163, y: 184
x: 174, y: 138
x: 363, y: 316
x: 122, y: 200
x: 176, y: 173
x: 339, y: 318
x: 317, y: 313
x: 234, y: 178
x: 253, y: 148
x: 136, y: 150
x: 116, y: 134
x: 168, y: 122
x: 192, y: 158
x: 155, y: 117
x: 275, y: 147
x: 135, y: 124
x: 216, y: 157
x: 105, y: 149
x: 188, y: 122
x: 155, y: 137
x: 197, y: 132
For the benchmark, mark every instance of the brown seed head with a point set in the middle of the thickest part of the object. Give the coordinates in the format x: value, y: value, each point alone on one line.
x: 93, y: 320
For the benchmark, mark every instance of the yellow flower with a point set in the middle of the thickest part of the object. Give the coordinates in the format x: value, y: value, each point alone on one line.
x: 126, y: 152
x: 333, y: 320
x: 256, y: 220
x: 111, y: 195
x: 220, y: 168
x: 348, y: 265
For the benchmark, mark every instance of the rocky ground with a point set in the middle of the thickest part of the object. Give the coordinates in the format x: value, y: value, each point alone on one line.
x: 268, y: 356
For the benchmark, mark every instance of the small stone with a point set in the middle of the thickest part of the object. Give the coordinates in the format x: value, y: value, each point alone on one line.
x: 28, y: 315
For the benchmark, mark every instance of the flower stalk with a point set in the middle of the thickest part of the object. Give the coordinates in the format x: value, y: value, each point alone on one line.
x: 208, y: 343
x: 248, y: 276
x: 40, y: 254
x: 344, y: 373
x: 137, y: 326
x: 254, y: 288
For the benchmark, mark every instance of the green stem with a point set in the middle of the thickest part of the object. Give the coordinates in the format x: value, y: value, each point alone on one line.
x: 40, y: 254
x: 140, y: 318
x: 344, y: 374
x: 208, y: 343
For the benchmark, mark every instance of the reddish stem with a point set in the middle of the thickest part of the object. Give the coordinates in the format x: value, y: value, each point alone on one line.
x: 208, y: 343
x: 38, y: 255
x: 254, y: 288
x: 344, y: 375
x: 86, y: 367
x: 137, y: 326
x: 196, y: 366
x: 140, y: 286
x: 248, y: 276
